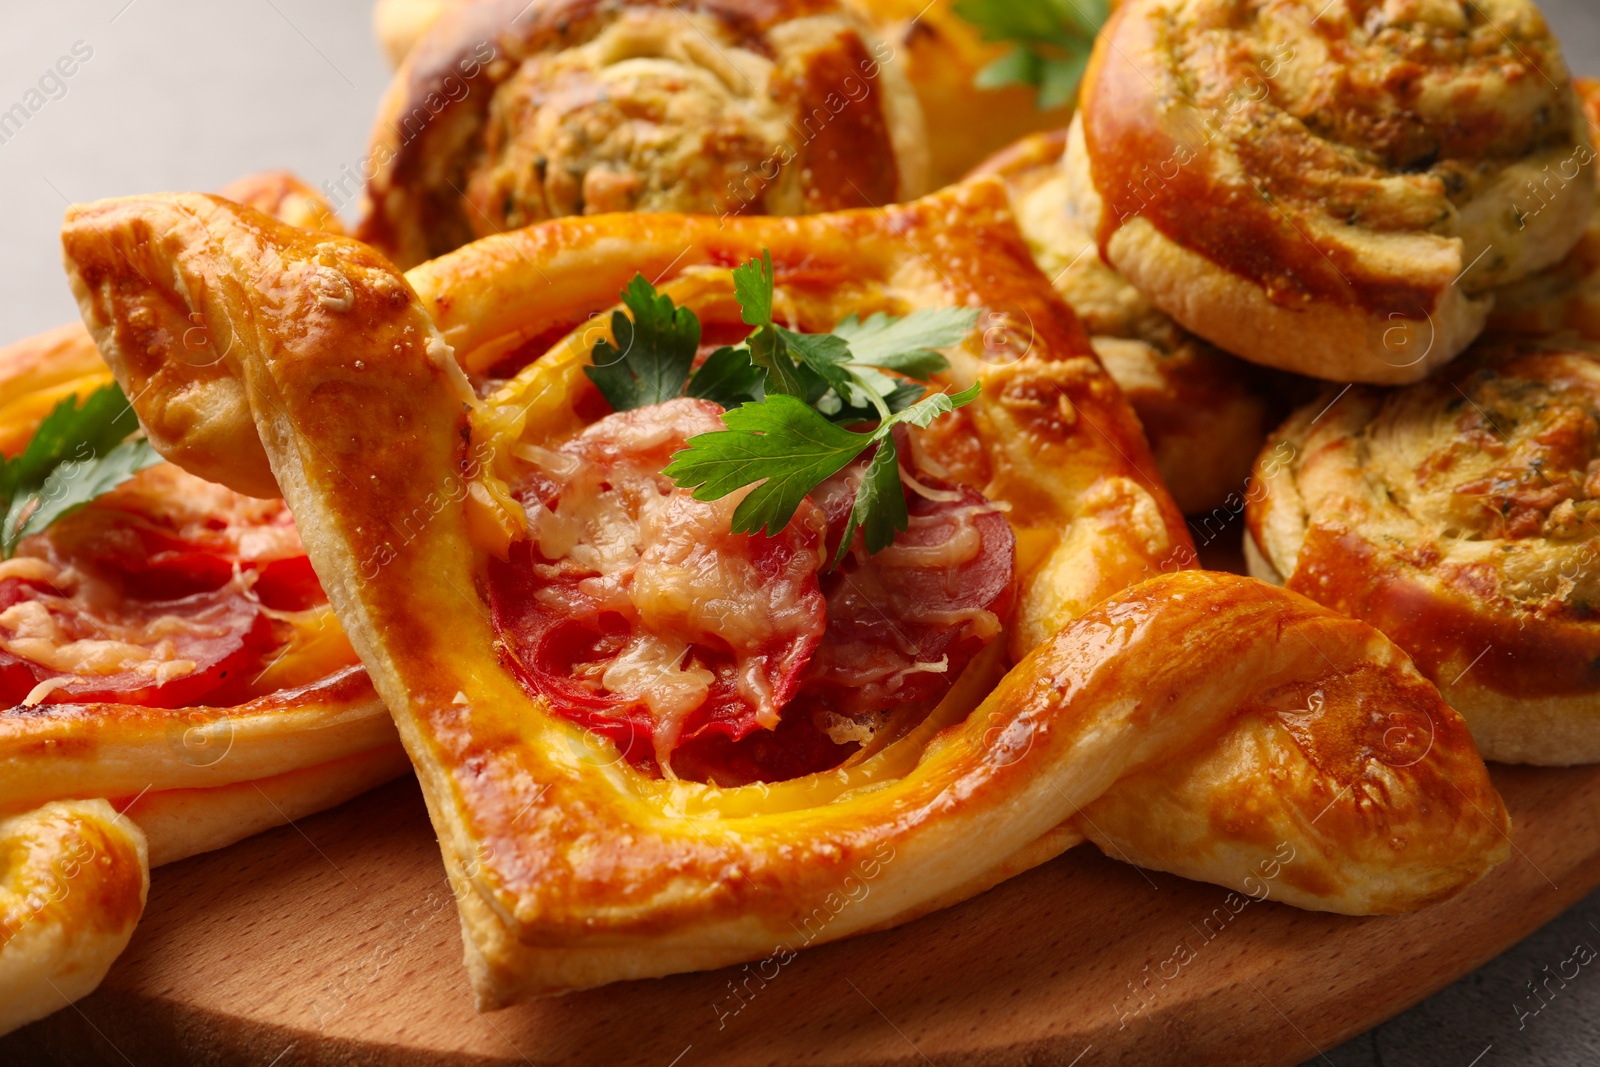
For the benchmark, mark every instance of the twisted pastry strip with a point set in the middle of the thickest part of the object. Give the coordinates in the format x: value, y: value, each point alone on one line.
x: 513, y: 112
x: 1459, y: 516
x: 1205, y: 413
x: 1310, y: 731
x: 73, y: 879
x: 1334, y: 188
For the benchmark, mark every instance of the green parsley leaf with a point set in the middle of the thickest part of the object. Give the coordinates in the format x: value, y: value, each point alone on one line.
x: 790, y: 450
x: 77, y: 454
x: 781, y: 443
x: 788, y: 398
x: 1052, y: 38
x: 654, y: 350
x: 907, y: 345
x: 728, y: 377
x: 880, y: 506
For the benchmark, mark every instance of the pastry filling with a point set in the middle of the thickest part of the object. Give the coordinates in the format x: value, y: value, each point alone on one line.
x: 169, y: 591
x: 635, y: 612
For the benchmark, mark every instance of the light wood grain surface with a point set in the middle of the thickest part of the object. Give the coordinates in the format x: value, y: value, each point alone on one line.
x: 335, y: 942
x: 322, y: 944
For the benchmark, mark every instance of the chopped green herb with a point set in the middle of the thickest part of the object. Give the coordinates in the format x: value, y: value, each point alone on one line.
x: 77, y: 454
x: 789, y: 398
x: 1052, y: 40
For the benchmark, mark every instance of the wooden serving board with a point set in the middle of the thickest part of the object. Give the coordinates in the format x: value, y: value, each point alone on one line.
x: 336, y: 942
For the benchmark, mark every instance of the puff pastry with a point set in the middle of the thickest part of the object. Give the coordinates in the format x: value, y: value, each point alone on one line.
x: 1204, y: 412
x: 73, y: 879
x: 576, y: 867
x: 1458, y: 516
x: 167, y: 648
x: 509, y: 113
x: 1330, y: 188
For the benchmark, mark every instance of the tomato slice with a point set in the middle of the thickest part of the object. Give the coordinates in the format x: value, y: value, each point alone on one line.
x: 635, y: 611
x: 213, y: 637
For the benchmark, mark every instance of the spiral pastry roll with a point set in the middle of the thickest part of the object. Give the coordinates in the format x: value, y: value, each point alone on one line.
x: 1331, y: 188
x: 1461, y: 516
x: 509, y: 113
x: 1204, y: 412
x: 73, y: 880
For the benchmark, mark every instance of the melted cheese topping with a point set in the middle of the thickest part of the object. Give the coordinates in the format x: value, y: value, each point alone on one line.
x: 54, y: 632
x: 667, y: 563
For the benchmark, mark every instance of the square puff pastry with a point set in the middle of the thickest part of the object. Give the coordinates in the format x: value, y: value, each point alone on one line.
x: 1140, y: 718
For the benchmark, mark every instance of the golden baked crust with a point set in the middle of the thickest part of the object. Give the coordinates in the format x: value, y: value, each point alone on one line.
x: 312, y: 704
x: 301, y: 730
x: 1330, y: 188
x: 1459, y: 516
x: 1204, y: 412
x: 940, y: 53
x: 73, y: 879
x: 509, y: 113
x: 573, y: 869
x: 1567, y: 296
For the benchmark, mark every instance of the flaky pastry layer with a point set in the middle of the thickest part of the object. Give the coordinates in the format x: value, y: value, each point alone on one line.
x: 574, y: 869
x: 508, y: 113
x: 1204, y: 412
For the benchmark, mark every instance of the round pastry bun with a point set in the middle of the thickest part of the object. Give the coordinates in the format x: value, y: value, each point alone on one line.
x: 1204, y: 412
x: 509, y: 113
x: 1324, y: 192
x: 1461, y: 516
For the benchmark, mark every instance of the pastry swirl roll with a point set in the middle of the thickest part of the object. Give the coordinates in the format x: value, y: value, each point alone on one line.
x: 1461, y: 516
x: 1331, y: 188
x: 940, y: 52
x: 1204, y: 412
x: 509, y: 113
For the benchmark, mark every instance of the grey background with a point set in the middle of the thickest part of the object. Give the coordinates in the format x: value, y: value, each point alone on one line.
x: 189, y: 94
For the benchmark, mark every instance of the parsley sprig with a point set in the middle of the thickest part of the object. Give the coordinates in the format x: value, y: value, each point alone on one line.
x: 790, y: 398
x: 78, y: 453
x: 1052, y: 40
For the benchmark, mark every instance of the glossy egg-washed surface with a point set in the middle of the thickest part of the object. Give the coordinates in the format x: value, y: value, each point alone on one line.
x: 1355, y: 156
x: 1204, y: 412
x: 573, y: 868
x: 1462, y: 517
x: 73, y: 879
x: 301, y: 699
x: 510, y: 113
x: 940, y: 52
